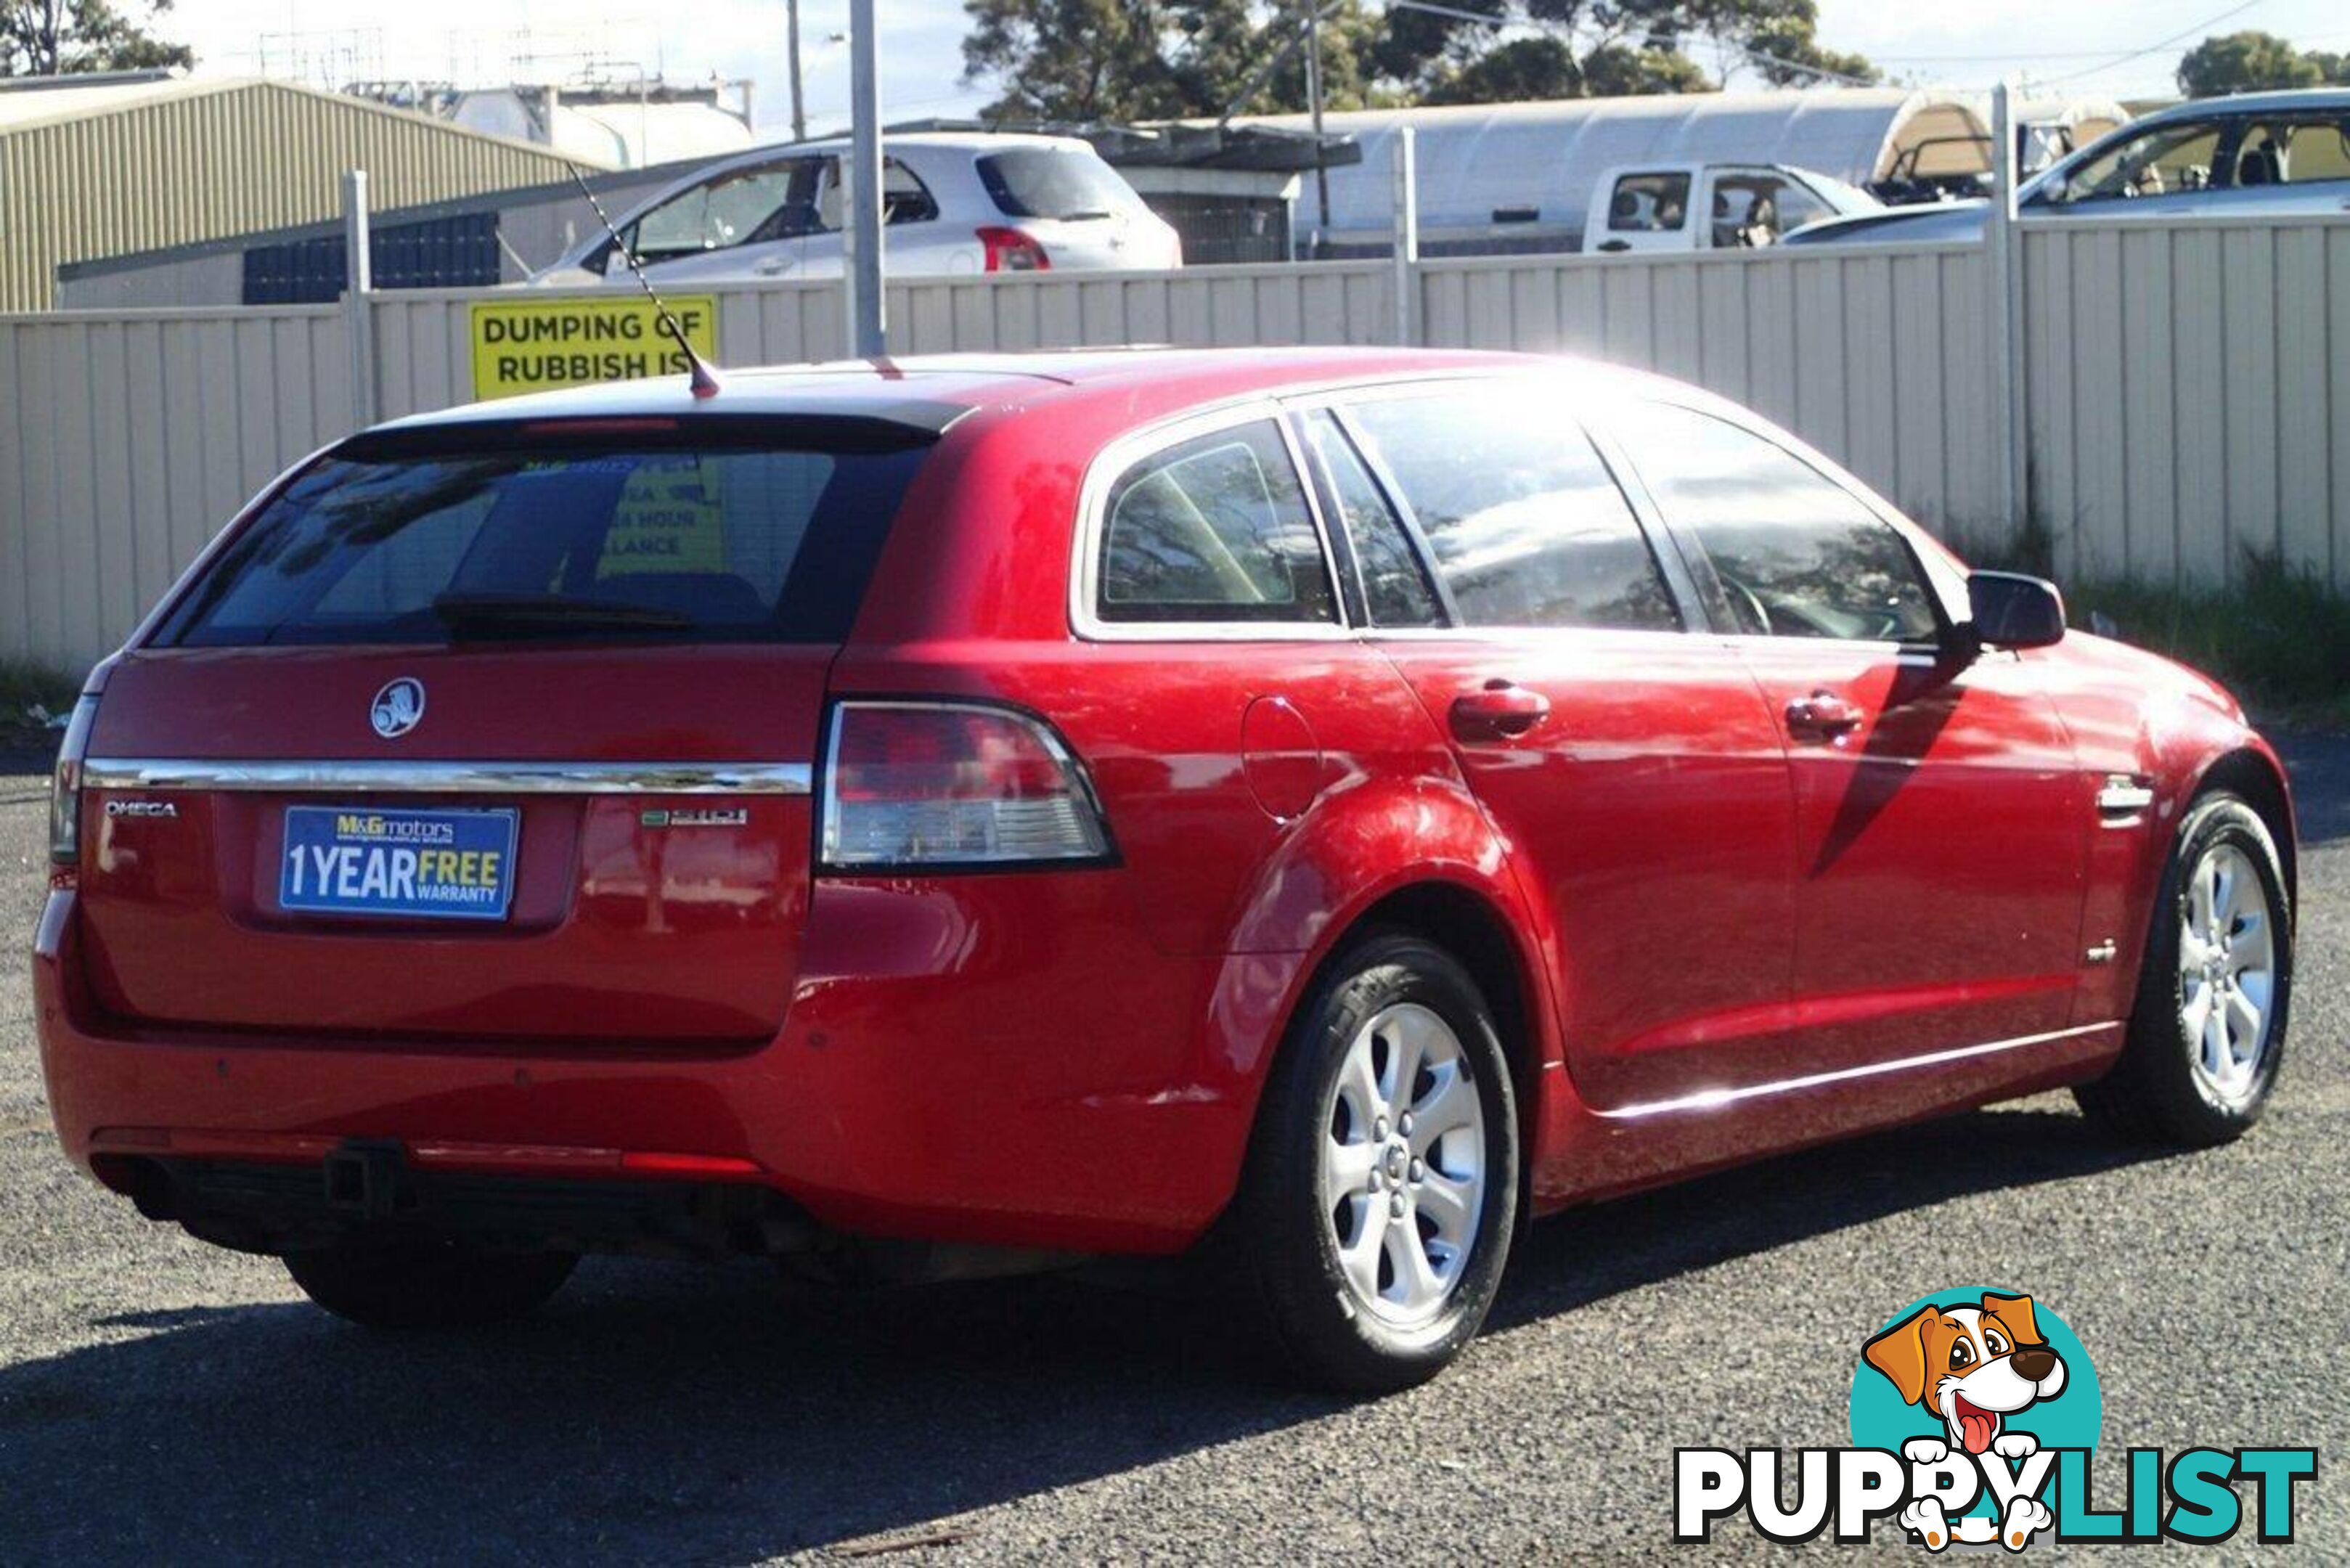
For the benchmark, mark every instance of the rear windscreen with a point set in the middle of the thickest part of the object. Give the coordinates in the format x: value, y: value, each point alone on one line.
x: 540, y: 531
x: 1046, y: 182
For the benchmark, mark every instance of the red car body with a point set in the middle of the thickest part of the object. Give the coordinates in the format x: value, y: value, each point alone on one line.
x: 1710, y: 932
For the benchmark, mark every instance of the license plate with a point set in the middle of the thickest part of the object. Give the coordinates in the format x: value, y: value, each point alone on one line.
x: 346, y: 860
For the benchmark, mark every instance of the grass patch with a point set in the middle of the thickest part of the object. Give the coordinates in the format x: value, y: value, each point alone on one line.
x: 2280, y: 641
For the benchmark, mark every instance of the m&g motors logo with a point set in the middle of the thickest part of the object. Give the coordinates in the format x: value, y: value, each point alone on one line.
x: 1974, y: 1413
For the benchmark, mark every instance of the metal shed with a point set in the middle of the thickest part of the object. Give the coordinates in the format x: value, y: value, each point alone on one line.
x: 1475, y: 161
x: 99, y: 166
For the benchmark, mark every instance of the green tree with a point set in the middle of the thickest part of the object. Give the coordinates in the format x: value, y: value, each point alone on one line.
x: 57, y: 38
x: 2248, y: 61
x: 1127, y: 60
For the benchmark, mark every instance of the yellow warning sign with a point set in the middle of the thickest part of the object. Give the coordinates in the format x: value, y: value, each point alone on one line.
x: 537, y: 345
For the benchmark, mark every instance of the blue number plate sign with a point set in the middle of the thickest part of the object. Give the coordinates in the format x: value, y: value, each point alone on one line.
x: 364, y: 861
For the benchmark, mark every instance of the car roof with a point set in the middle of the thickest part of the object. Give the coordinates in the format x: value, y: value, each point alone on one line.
x: 932, y: 392
x: 2248, y: 103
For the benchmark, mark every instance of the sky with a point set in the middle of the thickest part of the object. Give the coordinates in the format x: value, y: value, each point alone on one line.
x: 2117, y: 48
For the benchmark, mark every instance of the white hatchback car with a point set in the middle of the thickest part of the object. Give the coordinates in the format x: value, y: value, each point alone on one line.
x: 955, y: 203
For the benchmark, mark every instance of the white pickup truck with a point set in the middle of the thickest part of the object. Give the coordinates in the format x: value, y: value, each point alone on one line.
x: 1665, y: 206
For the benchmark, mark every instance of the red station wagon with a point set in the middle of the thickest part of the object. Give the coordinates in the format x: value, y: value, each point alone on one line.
x: 970, y: 814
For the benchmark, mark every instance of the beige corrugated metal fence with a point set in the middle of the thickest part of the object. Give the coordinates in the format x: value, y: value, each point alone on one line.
x: 2187, y: 385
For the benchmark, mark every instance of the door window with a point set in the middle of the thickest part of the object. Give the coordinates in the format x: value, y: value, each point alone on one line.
x: 1526, y: 524
x: 1214, y: 529
x: 2297, y: 149
x: 1394, y: 587
x: 1794, y: 553
x: 1756, y: 209
x: 2162, y: 162
x: 719, y: 213
x: 904, y: 198
x: 1648, y: 204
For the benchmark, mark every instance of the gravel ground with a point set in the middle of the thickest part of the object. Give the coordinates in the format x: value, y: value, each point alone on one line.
x: 160, y: 1399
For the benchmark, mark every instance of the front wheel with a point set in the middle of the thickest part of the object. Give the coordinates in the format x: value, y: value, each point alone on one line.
x: 2207, y: 1032
x: 427, y: 1284
x: 1382, y: 1183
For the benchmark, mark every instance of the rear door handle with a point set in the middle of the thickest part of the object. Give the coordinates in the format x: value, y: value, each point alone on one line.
x: 1821, y: 716
x: 1501, y: 711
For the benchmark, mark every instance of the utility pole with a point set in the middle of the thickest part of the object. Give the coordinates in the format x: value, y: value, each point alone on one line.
x: 799, y: 104
x: 867, y: 309
x: 1314, y: 100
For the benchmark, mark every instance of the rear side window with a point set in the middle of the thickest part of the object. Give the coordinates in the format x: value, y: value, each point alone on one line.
x: 521, y: 535
x: 1794, y: 553
x: 1527, y: 526
x: 1053, y: 183
x: 1213, y: 529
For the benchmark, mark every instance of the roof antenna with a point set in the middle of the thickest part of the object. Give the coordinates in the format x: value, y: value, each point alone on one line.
x: 703, y: 379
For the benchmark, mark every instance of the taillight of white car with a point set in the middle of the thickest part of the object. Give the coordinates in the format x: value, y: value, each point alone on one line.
x: 65, y: 786
x: 934, y: 785
x: 1009, y: 250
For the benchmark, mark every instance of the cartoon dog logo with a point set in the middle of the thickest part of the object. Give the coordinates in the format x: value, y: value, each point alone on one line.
x: 1972, y: 1367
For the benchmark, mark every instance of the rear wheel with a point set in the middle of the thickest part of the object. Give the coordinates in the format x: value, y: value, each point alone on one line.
x: 2207, y: 1031
x: 427, y: 1284
x: 1382, y: 1185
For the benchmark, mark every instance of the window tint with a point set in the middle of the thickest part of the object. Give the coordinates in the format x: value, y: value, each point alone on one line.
x: 1527, y: 527
x: 1394, y: 587
x: 483, y: 534
x: 1054, y: 183
x: 1214, y: 529
x: 1795, y: 553
x: 1647, y: 203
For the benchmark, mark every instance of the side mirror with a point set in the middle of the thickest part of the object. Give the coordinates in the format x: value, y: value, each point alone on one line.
x: 2009, y: 609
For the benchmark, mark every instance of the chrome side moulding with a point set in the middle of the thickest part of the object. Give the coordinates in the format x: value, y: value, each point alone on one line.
x: 1715, y: 1099
x: 404, y: 777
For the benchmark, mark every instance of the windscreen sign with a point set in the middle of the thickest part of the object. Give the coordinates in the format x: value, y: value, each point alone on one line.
x: 539, y: 345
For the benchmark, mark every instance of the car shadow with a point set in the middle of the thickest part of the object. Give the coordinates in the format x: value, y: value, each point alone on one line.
x: 690, y: 1413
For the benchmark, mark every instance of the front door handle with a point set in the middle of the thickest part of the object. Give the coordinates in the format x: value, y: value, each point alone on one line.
x: 1501, y: 712
x: 1821, y: 716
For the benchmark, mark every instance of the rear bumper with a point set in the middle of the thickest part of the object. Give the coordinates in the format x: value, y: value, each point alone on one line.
x: 994, y: 1090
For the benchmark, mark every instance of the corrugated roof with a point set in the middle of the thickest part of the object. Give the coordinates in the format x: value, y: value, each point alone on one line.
x: 31, y: 100
x: 106, y: 167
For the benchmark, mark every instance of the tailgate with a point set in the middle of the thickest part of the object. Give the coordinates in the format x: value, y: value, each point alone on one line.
x: 624, y: 836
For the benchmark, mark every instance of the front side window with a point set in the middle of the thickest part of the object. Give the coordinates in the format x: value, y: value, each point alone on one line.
x: 1795, y: 553
x: 1526, y: 524
x: 2162, y: 162
x: 717, y: 214
x: 1213, y: 529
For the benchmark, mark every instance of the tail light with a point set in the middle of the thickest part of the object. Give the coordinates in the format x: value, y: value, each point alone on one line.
x: 1009, y: 250
x: 65, y: 785
x: 936, y: 785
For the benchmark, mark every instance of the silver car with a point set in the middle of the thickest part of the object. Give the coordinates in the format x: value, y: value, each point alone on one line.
x: 2258, y: 153
x: 955, y: 202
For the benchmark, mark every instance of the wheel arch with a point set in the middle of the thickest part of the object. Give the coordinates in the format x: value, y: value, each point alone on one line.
x: 2256, y: 774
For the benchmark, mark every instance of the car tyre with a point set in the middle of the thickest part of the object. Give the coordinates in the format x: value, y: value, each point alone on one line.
x: 1360, y: 1283
x: 2207, y: 1030
x: 421, y: 1284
